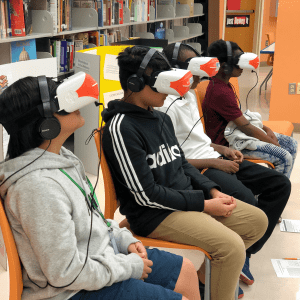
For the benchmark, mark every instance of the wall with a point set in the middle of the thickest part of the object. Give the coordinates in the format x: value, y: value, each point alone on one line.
x: 269, y: 25
x: 215, y: 25
x: 286, y: 63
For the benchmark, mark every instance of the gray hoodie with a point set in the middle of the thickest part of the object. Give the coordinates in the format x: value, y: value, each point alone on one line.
x: 51, y: 222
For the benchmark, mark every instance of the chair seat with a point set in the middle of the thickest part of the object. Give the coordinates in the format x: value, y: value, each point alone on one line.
x: 282, y: 127
x: 150, y: 242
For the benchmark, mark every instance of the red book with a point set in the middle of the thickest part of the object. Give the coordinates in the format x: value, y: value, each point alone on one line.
x: 17, y: 18
x: 121, y: 12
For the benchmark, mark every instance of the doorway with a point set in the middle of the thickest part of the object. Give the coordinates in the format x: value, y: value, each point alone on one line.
x: 247, y: 37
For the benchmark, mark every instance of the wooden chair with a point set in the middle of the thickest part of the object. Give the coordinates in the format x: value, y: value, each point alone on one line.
x: 271, y: 40
x: 200, y: 92
x: 111, y: 205
x: 15, y: 272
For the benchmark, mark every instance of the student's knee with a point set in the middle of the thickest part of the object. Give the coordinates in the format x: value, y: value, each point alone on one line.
x: 188, y: 266
x: 260, y: 224
x: 246, y: 196
x: 232, y: 250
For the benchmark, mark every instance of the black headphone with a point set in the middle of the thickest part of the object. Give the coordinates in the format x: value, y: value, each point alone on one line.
x: 180, y: 64
x: 137, y: 82
x: 48, y: 127
x: 231, y: 61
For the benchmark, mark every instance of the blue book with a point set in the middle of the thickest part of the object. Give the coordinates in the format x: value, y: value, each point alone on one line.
x: 100, y: 12
x: 63, y: 60
x: 23, y: 50
x: 9, y: 19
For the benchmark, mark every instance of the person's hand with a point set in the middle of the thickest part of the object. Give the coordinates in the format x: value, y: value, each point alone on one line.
x: 227, y: 166
x: 137, y: 248
x: 221, y: 206
x: 234, y: 155
x: 147, y: 268
x: 271, y: 135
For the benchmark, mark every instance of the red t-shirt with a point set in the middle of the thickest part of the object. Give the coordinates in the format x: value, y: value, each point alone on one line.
x: 219, y: 107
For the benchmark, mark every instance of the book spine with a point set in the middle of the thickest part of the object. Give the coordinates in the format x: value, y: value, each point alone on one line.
x: 100, y: 12
x: 67, y: 12
x: 8, y: 17
x: 67, y: 69
x: 64, y: 51
x: 121, y: 12
x: 58, y: 55
x: 53, y: 12
x: 4, y: 26
x: 70, y: 7
x: 17, y: 18
x: 72, y: 56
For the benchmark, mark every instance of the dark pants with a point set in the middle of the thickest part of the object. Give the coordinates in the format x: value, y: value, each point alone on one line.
x: 273, y: 190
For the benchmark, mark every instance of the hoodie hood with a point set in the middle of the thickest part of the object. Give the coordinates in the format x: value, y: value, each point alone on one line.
x: 134, y: 111
x: 31, y: 161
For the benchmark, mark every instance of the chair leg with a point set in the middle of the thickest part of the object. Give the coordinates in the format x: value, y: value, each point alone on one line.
x: 236, y: 296
x: 265, y: 80
x: 268, y: 78
x: 207, y: 279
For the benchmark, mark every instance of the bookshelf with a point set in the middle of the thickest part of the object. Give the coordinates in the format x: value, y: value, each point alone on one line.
x: 86, y: 19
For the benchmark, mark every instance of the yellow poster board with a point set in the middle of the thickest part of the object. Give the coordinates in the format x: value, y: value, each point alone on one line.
x: 109, y: 84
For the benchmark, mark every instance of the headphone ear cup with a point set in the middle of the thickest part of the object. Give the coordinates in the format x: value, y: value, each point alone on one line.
x: 135, y: 83
x: 227, y: 69
x: 48, y: 128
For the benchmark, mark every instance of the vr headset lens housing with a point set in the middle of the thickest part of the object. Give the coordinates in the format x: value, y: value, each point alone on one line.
x: 76, y: 92
x: 248, y: 61
x: 204, y: 66
x: 175, y: 82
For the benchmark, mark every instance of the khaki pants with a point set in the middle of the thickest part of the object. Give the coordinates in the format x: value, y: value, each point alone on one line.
x: 225, y: 239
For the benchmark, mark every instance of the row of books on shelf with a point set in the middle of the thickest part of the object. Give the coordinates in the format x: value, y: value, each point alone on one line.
x: 64, y: 47
x: 16, y: 15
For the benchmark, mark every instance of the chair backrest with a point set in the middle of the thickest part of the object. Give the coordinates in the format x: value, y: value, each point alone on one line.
x: 15, y: 272
x: 111, y: 203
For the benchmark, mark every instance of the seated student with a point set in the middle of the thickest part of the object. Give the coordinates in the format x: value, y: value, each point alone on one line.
x: 237, y: 177
x: 160, y: 193
x: 220, y: 107
x: 63, y: 242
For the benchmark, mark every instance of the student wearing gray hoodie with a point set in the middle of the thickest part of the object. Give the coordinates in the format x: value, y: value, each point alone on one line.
x: 64, y: 242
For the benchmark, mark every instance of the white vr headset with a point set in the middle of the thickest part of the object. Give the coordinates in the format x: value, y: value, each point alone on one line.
x: 202, y: 66
x: 76, y: 92
x: 199, y: 66
x: 72, y: 94
x: 247, y: 60
x: 175, y: 82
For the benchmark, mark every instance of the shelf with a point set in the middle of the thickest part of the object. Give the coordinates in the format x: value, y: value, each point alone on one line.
x: 191, y: 36
x: 27, y: 37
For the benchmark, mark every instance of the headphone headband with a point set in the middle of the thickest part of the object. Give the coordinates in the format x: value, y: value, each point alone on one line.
x: 145, y: 62
x: 44, y: 92
x: 229, y: 53
x: 176, y: 52
x: 136, y: 82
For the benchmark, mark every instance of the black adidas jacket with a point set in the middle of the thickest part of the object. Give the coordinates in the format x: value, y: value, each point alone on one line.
x: 150, y: 173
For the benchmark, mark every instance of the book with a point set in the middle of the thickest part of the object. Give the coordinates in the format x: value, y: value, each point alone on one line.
x: 76, y: 4
x: 87, y: 4
x: 52, y: 9
x: 23, y: 50
x: 100, y: 12
x: 3, y: 20
x: 58, y: 54
x: 17, y: 18
x: 7, y: 17
x: 63, y: 56
x: 107, y: 12
x: 27, y: 17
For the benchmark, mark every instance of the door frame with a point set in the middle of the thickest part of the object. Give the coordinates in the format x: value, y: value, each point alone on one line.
x: 258, y: 24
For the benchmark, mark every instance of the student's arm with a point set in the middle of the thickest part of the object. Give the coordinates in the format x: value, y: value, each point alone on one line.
x: 244, y: 125
x: 270, y: 133
x: 227, y: 166
x: 45, y: 215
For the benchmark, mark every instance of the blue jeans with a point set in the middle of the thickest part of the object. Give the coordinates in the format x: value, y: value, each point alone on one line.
x: 282, y: 158
x: 159, y: 285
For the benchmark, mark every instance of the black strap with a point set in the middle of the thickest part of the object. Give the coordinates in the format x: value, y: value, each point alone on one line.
x: 43, y: 84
